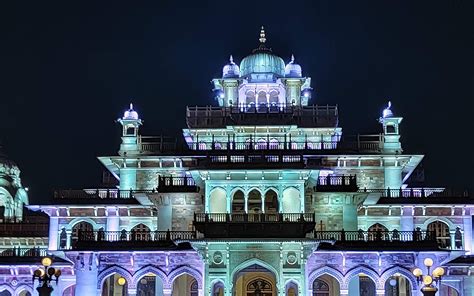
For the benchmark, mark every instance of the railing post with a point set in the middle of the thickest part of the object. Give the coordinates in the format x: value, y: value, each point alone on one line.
x: 422, y: 192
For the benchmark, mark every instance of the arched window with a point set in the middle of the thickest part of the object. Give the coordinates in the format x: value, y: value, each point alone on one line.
x: 238, y: 202
x: 262, y: 101
x: 254, y: 202
x: 218, y: 289
x: 259, y: 287
x: 141, y: 232
x: 398, y: 285
x: 271, y: 202
x: 377, y: 232
x: 250, y: 98
x: 85, y: 228
x: 24, y: 293
x: 150, y: 284
x: 320, y: 288
x: 70, y: 291
x: 441, y: 231
x: 63, y: 238
x: 261, y: 144
x: 194, y: 289
x: 274, y: 144
x: 115, y: 286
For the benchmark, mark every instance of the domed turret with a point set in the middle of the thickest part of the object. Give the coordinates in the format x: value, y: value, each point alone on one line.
x: 231, y: 70
x: 262, y: 60
x: 130, y: 114
x: 292, y: 69
x: 387, y: 112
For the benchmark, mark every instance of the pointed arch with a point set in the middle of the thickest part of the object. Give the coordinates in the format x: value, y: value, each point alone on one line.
x: 149, y: 269
x: 438, y: 218
x: 218, y: 200
x: 403, y: 271
x: 373, y: 275
x: 110, y: 271
x: 255, y: 261
x: 77, y: 220
x: 185, y: 270
x: 23, y: 288
x: 326, y: 270
x: 7, y: 288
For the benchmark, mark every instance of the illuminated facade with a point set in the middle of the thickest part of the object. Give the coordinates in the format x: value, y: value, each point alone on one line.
x: 263, y: 195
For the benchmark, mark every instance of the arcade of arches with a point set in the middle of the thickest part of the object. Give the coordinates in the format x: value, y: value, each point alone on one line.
x: 255, y: 201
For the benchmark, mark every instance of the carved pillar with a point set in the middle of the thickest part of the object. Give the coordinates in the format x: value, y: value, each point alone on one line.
x: 85, y: 268
x: 53, y: 233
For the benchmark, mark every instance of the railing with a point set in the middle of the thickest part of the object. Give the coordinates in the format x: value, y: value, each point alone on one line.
x: 20, y: 229
x: 253, y: 218
x: 337, y: 183
x: 132, y: 236
x: 284, y: 114
x: 23, y: 252
x: 417, y: 192
x: 357, y: 143
x: 97, y: 193
x: 375, y: 235
x: 177, y: 184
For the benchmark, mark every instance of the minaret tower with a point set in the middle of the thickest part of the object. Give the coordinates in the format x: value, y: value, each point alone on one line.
x: 391, y: 146
x: 391, y: 132
x: 130, y: 138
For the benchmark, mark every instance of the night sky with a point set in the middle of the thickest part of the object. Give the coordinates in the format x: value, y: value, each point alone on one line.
x: 69, y: 69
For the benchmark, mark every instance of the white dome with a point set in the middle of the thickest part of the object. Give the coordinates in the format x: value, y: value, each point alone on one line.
x: 231, y: 69
x: 130, y: 114
x: 292, y: 69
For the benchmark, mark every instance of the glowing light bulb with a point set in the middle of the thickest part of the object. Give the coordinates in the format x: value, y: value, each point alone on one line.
x: 417, y: 272
x: 121, y: 281
x: 428, y: 262
x: 46, y: 261
x: 438, y: 272
x: 427, y: 280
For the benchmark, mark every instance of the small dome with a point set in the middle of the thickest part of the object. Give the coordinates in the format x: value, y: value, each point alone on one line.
x: 231, y: 70
x: 292, y: 69
x: 262, y: 60
x: 130, y: 114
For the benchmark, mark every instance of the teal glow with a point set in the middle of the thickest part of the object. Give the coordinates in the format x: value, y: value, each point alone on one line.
x: 262, y: 62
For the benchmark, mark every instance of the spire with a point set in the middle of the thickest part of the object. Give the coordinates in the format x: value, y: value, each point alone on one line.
x: 262, y: 38
x: 292, y: 58
x: 131, y: 106
x: 231, y: 59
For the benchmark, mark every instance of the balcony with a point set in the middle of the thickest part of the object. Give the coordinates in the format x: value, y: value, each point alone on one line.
x: 366, y: 240
x: 23, y: 252
x: 176, y: 184
x: 236, y: 225
x: 97, y: 196
x: 421, y: 195
x: 303, y: 116
x: 24, y: 229
x: 347, y: 144
x: 120, y: 240
x: 337, y: 183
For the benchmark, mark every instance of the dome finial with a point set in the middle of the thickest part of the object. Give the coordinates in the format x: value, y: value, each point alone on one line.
x: 262, y: 38
x: 131, y: 106
x: 387, y: 112
x: 292, y: 58
x: 231, y: 59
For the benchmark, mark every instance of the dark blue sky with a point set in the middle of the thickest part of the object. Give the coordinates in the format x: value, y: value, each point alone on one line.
x: 69, y: 69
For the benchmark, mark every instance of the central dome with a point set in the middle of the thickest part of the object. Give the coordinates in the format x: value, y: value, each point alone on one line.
x: 262, y: 60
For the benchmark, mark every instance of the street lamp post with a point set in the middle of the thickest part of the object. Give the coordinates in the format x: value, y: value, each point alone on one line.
x: 45, y: 276
x: 432, y: 281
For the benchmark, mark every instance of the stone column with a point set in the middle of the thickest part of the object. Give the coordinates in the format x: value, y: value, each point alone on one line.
x: 53, y: 233
x: 128, y: 178
x: 467, y: 239
x: 113, y: 221
x: 167, y: 291
x: 349, y: 214
x: 68, y: 239
x: 393, y: 177
x: 468, y: 286
x: 132, y: 292
x: 246, y: 199
x: 86, y: 274
x: 406, y: 219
